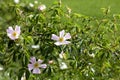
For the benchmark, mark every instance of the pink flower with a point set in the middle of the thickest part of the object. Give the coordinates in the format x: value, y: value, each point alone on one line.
x: 41, y: 7
x: 61, y: 39
x: 35, y: 65
x: 13, y: 34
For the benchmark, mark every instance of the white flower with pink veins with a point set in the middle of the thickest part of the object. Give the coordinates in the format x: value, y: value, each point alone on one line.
x: 13, y: 34
x: 35, y: 65
x: 62, y: 38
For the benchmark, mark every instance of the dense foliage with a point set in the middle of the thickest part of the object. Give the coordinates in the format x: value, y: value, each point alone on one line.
x: 93, y: 54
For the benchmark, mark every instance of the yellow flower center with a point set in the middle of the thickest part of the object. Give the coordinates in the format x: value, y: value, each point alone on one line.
x: 61, y: 39
x: 14, y: 34
x: 36, y: 65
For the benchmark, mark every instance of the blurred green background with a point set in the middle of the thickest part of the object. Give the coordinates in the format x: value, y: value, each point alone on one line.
x: 88, y: 7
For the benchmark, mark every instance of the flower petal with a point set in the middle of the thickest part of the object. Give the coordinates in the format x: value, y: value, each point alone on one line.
x: 55, y: 37
x: 66, y: 42
x: 30, y: 67
x: 12, y: 37
x: 36, y: 71
x: 62, y: 33
x: 61, y: 55
x: 63, y: 65
x: 67, y: 36
x: 61, y: 43
x: 10, y: 30
x: 43, y: 65
x: 32, y: 59
x: 17, y: 29
x: 58, y: 43
x: 40, y: 61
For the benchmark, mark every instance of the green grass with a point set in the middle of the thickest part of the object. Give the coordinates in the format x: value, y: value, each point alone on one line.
x: 89, y: 7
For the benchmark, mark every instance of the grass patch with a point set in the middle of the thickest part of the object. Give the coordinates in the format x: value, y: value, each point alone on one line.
x: 89, y: 7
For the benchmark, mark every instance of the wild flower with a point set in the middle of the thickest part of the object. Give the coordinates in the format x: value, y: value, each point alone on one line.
x: 35, y: 65
x: 61, y: 39
x: 31, y: 4
x: 41, y: 7
x: 13, y: 34
x: 16, y: 1
x: 63, y: 65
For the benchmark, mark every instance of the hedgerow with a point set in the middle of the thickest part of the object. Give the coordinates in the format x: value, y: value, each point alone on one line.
x: 92, y: 51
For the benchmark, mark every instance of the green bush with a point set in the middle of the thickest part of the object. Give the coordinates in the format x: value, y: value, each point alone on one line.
x: 93, y: 54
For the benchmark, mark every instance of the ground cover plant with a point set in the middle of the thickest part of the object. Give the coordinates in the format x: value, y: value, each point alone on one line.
x: 54, y: 43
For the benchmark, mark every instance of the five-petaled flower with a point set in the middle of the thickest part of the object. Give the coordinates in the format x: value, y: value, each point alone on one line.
x: 35, y: 65
x: 61, y: 39
x: 13, y: 34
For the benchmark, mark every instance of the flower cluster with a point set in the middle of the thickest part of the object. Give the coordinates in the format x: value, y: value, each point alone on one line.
x: 61, y: 39
x: 34, y: 64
